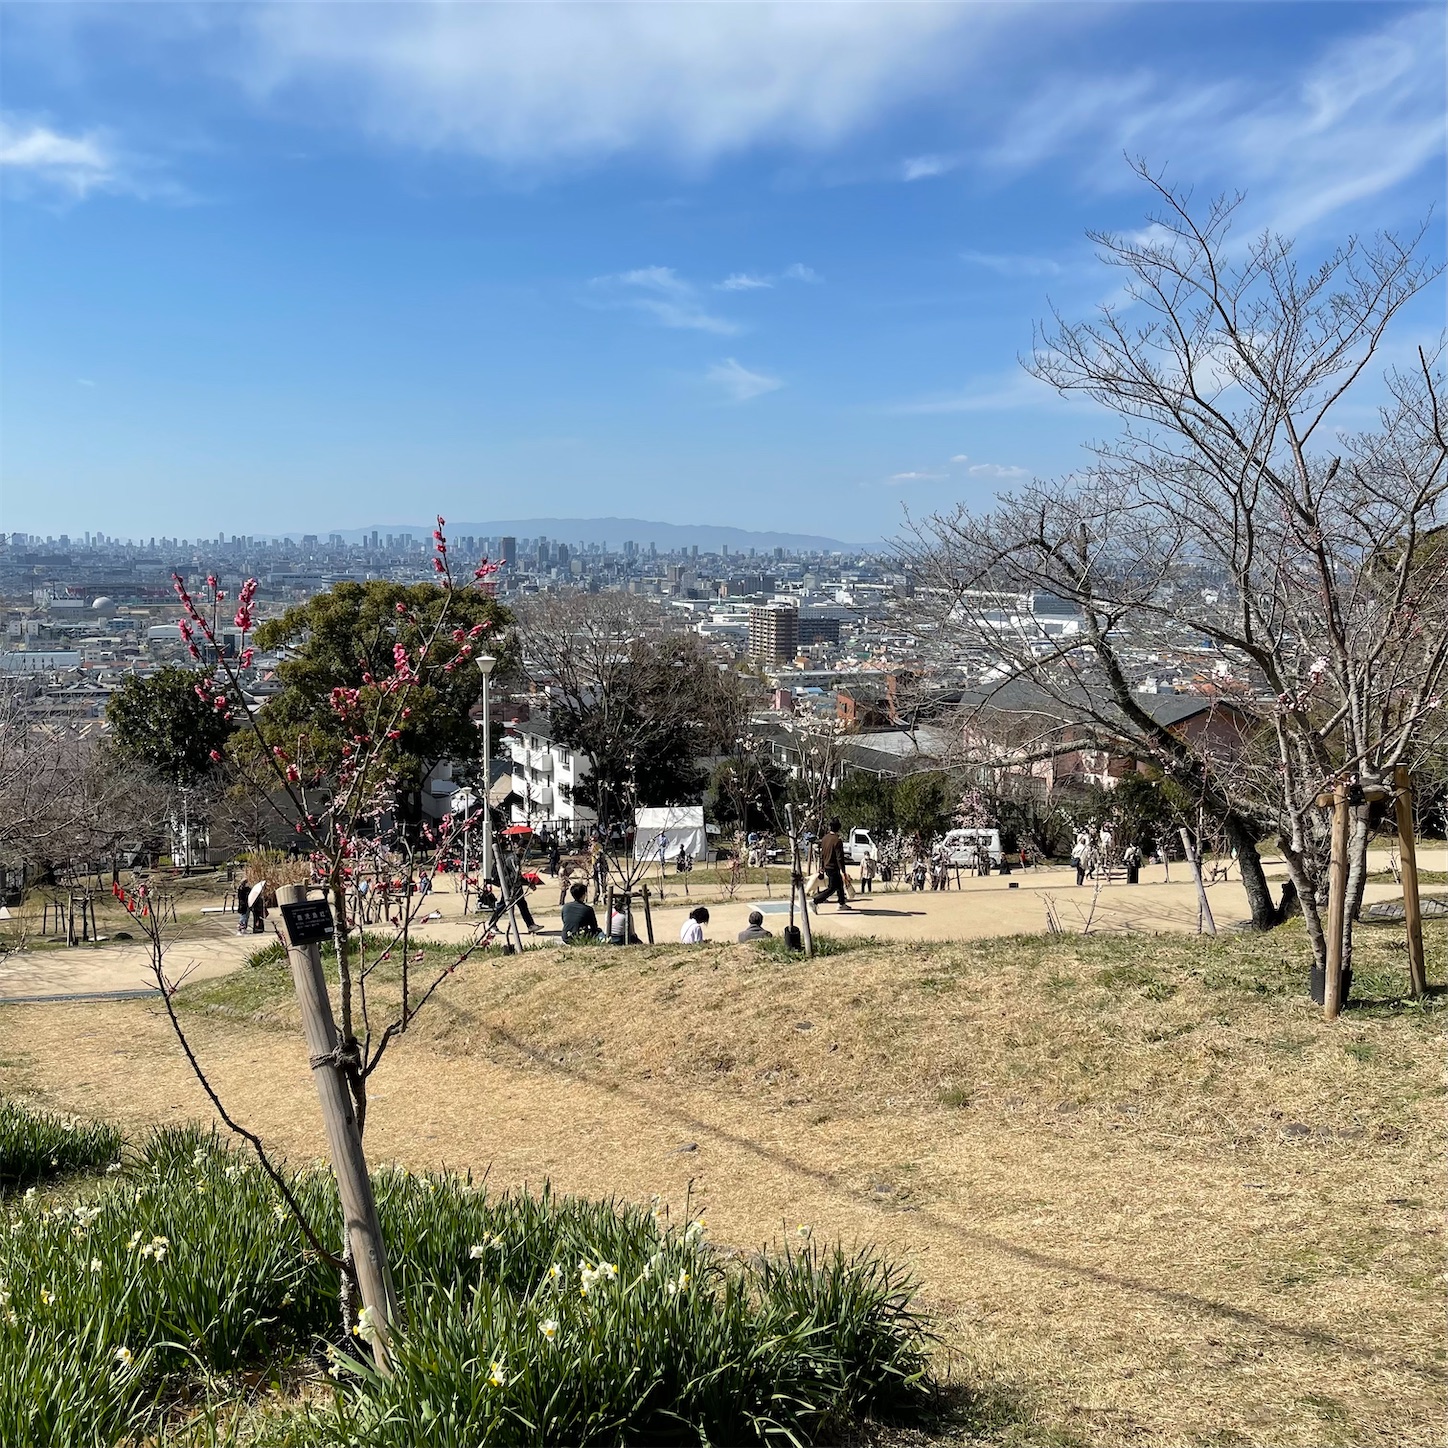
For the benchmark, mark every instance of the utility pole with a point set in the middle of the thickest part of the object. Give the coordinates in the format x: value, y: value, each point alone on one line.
x: 1412, y: 906
x: 485, y: 664
x: 308, y: 923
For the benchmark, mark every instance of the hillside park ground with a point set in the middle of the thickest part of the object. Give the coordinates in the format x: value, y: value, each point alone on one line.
x: 1150, y: 1197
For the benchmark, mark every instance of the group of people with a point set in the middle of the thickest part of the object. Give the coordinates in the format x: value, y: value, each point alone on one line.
x: 1094, y: 855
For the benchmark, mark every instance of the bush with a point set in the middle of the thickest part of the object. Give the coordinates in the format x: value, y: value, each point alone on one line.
x: 529, y: 1318
x: 38, y: 1145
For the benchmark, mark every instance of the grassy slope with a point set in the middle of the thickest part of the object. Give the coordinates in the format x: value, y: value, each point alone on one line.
x: 1152, y: 1197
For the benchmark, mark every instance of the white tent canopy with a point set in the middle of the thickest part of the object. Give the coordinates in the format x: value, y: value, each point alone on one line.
x: 668, y: 830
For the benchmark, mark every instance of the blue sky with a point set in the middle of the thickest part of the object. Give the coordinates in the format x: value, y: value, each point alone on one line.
x: 274, y: 268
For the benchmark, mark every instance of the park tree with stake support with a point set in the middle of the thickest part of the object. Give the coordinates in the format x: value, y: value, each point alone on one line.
x: 337, y: 793
x: 1235, y: 507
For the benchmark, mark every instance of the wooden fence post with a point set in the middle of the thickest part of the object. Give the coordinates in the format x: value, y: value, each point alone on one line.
x: 359, y: 1208
x: 1412, y: 906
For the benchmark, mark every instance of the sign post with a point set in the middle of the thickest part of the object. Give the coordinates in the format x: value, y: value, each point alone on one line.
x: 308, y: 923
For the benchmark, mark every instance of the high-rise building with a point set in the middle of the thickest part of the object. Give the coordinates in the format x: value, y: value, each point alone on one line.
x: 773, y: 632
x: 508, y: 551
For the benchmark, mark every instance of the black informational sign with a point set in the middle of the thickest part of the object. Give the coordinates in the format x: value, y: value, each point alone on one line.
x: 309, y: 922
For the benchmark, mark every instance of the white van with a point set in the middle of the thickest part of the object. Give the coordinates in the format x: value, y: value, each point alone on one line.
x: 963, y: 847
x: 857, y: 844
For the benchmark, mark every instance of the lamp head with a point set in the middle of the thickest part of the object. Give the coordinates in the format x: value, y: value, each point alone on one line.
x: 485, y: 664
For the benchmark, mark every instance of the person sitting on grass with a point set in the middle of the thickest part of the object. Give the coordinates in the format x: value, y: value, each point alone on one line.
x: 693, y: 931
x: 579, y: 921
x: 620, y: 923
x: 755, y: 929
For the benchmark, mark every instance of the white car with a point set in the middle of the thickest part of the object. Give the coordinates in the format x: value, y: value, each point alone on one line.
x: 857, y: 845
x: 963, y: 847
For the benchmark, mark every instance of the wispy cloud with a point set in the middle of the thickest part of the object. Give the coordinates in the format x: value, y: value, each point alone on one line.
x: 666, y: 296
x: 752, y: 281
x: 997, y: 394
x: 1018, y: 265
x: 903, y: 480
x: 1361, y: 116
x: 996, y: 470
x: 922, y: 168
x: 739, y: 382
x: 75, y: 165
x: 743, y: 282
x: 693, y: 82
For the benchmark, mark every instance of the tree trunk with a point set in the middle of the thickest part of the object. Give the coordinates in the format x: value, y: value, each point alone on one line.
x: 1243, y: 839
x: 1357, y: 879
x: 1311, y: 907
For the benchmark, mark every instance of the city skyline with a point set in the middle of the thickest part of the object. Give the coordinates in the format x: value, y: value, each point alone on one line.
x: 322, y: 265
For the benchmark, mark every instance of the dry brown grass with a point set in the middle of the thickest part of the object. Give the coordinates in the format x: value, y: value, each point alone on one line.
x: 1151, y: 1197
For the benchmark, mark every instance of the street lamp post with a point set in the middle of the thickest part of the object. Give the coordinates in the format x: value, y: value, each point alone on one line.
x: 485, y: 668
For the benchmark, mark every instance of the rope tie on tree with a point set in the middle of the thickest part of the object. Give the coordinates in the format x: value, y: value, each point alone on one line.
x: 345, y: 1055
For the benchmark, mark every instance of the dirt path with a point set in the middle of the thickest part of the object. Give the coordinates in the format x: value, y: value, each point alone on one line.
x: 1145, y: 1283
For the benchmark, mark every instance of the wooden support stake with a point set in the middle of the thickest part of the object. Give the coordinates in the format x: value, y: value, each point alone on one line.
x: 344, y: 1142
x: 1412, y: 906
x: 648, y: 916
x: 1208, y: 921
x: 1336, y: 906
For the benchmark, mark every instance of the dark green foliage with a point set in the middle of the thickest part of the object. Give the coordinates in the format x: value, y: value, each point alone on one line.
x: 187, y: 1261
x: 336, y: 638
x: 162, y: 724
x: 38, y: 1145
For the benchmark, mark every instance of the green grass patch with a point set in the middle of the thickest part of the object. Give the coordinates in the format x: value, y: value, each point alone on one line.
x: 39, y: 1146
x: 529, y: 1318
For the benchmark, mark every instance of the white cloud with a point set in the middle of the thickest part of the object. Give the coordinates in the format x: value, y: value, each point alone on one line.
x: 76, y: 165
x: 996, y: 470
x: 900, y: 480
x: 533, y: 85
x: 1358, y: 119
x: 666, y: 296
x: 739, y: 382
x: 751, y: 281
x: 922, y: 168
x: 1014, y: 266
x: 961, y: 458
x: 990, y: 394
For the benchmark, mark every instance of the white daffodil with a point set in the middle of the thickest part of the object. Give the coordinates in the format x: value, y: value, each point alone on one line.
x: 280, y: 1212
x: 476, y: 1251
x: 123, y: 1357
x: 498, y: 1378
x: 804, y: 1230
x: 555, y: 1272
x: 549, y: 1328
x: 367, y: 1326
x: 134, y: 1242
x: 46, y: 1297
x: 95, y: 1264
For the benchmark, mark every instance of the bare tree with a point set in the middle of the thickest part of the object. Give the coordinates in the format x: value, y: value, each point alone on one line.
x: 1233, y: 508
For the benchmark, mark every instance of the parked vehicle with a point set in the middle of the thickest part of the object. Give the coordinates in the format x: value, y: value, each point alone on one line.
x: 963, y: 847
x: 858, y: 844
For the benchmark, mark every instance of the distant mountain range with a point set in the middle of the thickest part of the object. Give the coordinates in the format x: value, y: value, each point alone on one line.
x: 667, y: 537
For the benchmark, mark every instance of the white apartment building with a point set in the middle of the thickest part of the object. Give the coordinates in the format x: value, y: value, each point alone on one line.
x: 545, y: 774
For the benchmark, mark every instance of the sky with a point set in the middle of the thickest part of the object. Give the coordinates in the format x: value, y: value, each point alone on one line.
x: 311, y: 266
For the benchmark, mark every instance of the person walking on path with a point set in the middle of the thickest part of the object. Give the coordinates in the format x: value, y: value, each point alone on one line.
x: 867, y: 874
x: 832, y: 863
x: 243, y: 891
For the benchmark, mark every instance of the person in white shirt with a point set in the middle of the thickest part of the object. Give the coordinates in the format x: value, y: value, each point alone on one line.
x: 693, y: 931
